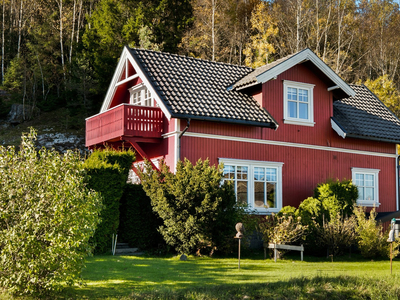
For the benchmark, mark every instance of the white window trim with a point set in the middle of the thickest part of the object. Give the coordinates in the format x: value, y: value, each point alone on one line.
x: 142, y: 89
x: 304, y: 86
x: 251, y: 164
x: 375, y: 172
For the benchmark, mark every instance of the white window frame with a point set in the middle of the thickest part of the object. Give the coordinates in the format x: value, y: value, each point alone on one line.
x: 304, y: 86
x: 251, y: 164
x: 143, y: 92
x: 375, y: 173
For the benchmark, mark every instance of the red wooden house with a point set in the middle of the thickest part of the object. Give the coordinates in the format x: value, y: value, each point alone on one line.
x: 279, y: 130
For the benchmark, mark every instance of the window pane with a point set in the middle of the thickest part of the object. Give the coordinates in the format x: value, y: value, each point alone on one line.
x: 271, y: 195
x: 259, y: 174
x: 369, y: 180
x: 242, y: 172
x: 229, y: 172
x: 258, y: 194
x: 292, y: 109
x: 303, y: 111
x: 292, y: 94
x: 303, y: 95
x: 271, y: 174
x: 369, y: 193
x: 360, y: 179
x: 241, y: 192
x: 361, y: 193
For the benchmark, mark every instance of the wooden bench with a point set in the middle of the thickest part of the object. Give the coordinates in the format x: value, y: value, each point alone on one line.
x: 283, y: 247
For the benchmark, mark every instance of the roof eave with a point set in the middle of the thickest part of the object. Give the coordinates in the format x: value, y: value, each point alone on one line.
x: 306, y: 55
x: 271, y: 125
x: 370, y: 138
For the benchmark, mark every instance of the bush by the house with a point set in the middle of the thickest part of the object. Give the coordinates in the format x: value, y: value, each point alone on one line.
x: 108, y: 170
x: 336, y: 235
x: 282, y: 229
x: 47, y: 215
x: 371, y: 240
x: 138, y: 222
x: 326, y: 216
x: 197, y: 211
x: 337, y: 197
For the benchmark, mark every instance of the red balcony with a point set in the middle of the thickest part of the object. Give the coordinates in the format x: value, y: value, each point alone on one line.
x: 124, y: 121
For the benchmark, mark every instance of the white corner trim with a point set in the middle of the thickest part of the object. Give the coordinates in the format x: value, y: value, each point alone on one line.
x: 306, y: 54
x: 127, y: 56
x: 127, y: 79
x: 338, y: 130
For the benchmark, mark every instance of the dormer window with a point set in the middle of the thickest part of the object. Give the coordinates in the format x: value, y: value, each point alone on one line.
x: 298, y: 103
x: 140, y: 95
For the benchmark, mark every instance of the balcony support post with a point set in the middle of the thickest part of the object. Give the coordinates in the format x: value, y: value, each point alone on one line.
x: 139, y: 149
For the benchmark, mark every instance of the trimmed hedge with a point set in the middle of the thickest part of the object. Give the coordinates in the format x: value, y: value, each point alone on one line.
x: 108, y: 170
x: 138, y: 223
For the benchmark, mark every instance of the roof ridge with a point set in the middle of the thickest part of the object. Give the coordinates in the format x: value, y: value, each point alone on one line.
x: 191, y: 57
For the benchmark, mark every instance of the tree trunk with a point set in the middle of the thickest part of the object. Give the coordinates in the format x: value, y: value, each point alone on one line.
x: 20, y: 29
x: 72, y: 33
x: 2, y: 44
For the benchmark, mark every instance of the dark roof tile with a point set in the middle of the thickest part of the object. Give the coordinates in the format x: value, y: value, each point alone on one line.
x: 199, y: 83
x: 365, y: 116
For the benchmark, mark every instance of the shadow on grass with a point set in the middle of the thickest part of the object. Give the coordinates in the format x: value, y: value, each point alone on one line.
x: 319, y: 287
x: 115, y: 277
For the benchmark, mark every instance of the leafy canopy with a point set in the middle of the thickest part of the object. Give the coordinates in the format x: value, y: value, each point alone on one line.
x: 47, y: 215
x: 197, y: 211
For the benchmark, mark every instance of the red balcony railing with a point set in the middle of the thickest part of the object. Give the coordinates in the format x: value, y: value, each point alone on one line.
x: 124, y: 120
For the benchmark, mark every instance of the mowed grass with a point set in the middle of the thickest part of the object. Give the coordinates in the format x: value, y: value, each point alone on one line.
x: 135, y: 277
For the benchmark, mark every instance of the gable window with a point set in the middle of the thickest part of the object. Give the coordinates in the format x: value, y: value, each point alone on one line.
x: 257, y: 183
x: 140, y: 95
x: 298, y: 103
x: 366, y: 181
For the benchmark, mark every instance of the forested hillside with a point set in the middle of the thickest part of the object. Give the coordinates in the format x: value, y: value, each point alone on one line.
x: 62, y: 53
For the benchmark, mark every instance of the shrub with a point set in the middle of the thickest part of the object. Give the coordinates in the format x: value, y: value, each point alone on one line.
x: 336, y: 234
x: 197, y: 211
x: 108, y: 170
x: 281, y: 229
x: 138, y: 223
x: 337, y: 197
x: 371, y: 240
x: 47, y: 215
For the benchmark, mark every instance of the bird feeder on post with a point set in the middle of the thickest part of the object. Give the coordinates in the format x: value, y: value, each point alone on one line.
x: 391, y: 240
x: 240, y: 230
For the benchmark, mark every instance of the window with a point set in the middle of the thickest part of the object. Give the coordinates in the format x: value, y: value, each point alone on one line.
x: 298, y: 103
x: 366, y: 181
x: 140, y: 95
x: 256, y: 183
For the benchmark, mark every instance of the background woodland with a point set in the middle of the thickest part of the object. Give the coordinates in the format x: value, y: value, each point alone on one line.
x: 63, y: 53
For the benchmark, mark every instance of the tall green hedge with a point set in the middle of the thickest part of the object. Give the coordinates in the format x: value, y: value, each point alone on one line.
x: 108, y: 170
x: 138, y: 223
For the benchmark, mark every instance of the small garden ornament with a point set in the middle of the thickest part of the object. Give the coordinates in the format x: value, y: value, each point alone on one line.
x: 391, y: 240
x: 240, y: 230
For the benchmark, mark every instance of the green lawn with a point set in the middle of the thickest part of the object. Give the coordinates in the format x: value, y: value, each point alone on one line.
x: 134, y: 277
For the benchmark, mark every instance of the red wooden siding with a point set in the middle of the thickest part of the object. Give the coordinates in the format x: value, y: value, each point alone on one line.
x: 124, y: 120
x: 303, y: 168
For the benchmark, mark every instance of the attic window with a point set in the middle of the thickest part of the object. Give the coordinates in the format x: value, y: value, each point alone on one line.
x: 140, y: 95
x: 298, y: 103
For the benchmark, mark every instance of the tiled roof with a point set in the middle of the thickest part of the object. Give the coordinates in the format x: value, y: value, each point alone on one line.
x: 365, y: 116
x: 198, y: 89
x: 251, y: 78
